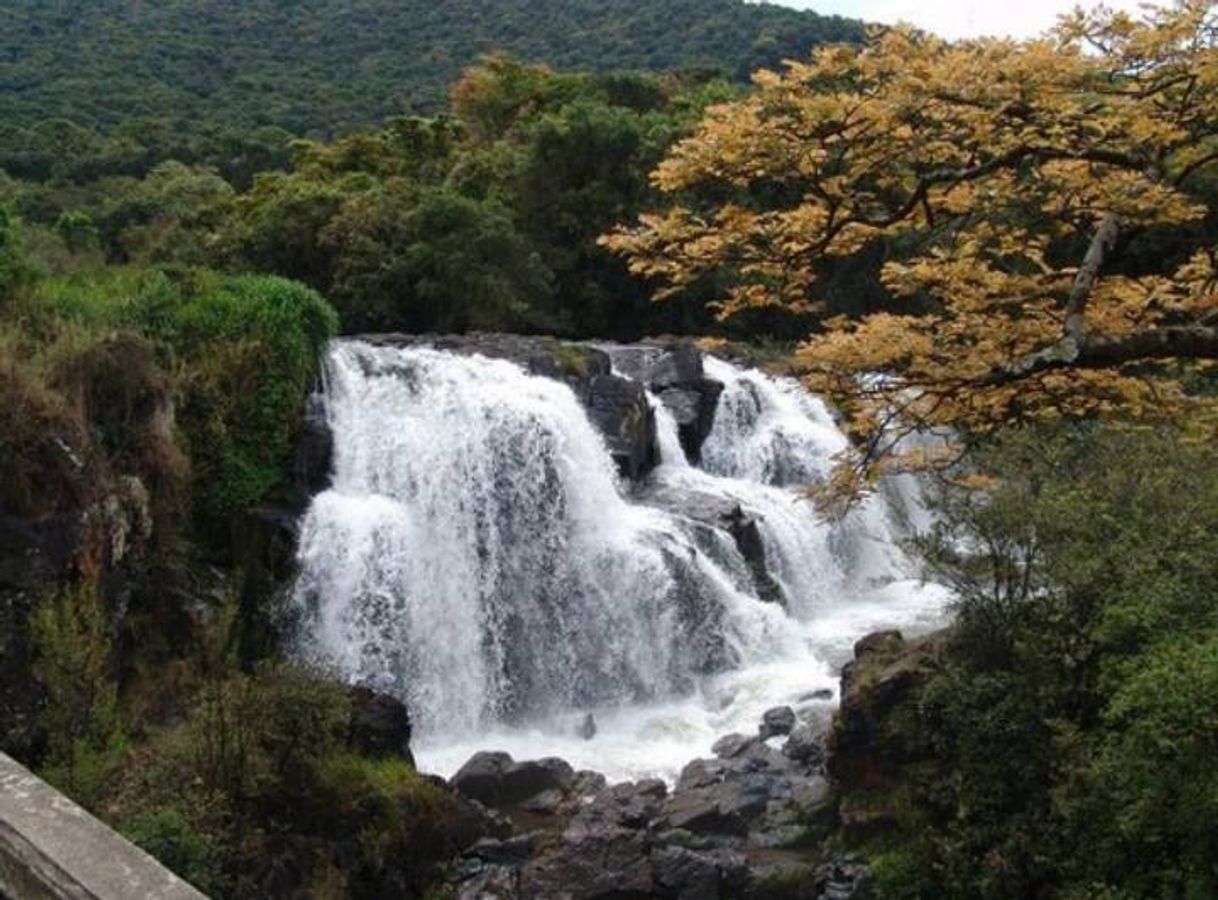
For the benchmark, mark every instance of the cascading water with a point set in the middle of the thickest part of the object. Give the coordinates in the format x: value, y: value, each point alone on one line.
x: 477, y: 554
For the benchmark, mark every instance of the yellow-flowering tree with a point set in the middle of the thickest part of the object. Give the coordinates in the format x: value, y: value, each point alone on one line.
x: 1004, y: 179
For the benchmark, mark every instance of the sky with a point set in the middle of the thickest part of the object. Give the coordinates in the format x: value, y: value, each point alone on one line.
x: 960, y: 18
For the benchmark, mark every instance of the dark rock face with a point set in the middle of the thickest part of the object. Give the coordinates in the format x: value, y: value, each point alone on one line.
x: 380, y: 724
x: 724, y: 514
x: 33, y: 555
x: 672, y: 370
x: 314, y: 450
x: 875, y: 733
x: 619, y: 409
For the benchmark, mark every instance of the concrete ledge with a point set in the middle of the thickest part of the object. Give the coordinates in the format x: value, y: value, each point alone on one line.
x: 51, y: 849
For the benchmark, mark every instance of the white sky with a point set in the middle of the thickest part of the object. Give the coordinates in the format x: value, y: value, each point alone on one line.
x: 960, y: 18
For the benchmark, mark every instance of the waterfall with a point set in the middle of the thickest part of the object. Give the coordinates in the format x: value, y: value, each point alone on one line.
x: 478, y: 554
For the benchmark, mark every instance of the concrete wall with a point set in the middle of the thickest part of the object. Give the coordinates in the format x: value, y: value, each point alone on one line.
x: 51, y: 849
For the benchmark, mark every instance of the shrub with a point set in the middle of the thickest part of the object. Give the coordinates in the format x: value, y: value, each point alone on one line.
x: 73, y: 649
x: 168, y: 834
x: 1073, y: 719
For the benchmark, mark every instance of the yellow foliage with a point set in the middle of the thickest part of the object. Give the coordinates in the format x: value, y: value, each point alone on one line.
x: 987, y: 168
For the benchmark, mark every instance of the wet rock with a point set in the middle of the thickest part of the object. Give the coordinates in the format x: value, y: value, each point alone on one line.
x: 481, y: 778
x: 314, y: 453
x: 482, y: 882
x: 877, y: 642
x: 631, y: 804
x: 805, y: 745
x: 672, y: 370
x: 691, y: 875
x: 606, y: 863
x: 587, y: 728
x: 527, y: 779
x: 619, y: 409
x: 472, y: 821
x: 495, y: 779
x: 715, y: 810
x: 725, y: 515
x: 587, y: 783
x: 547, y: 803
x: 777, y: 722
x: 514, y: 850
x: 733, y: 745
x: 379, y: 725
x: 701, y: 773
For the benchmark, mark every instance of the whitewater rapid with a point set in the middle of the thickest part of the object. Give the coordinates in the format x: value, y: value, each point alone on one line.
x: 478, y: 555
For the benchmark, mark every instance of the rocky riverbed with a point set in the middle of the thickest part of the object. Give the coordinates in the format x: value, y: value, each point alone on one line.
x: 748, y: 822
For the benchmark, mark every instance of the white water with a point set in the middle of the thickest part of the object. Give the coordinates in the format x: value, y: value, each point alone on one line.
x: 478, y: 555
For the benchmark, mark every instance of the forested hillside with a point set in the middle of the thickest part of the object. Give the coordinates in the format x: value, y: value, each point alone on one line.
x: 322, y: 67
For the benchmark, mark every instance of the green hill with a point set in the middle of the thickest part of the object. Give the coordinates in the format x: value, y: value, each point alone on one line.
x: 325, y: 66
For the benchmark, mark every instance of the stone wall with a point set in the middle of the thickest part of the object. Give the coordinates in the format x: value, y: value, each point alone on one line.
x: 51, y: 849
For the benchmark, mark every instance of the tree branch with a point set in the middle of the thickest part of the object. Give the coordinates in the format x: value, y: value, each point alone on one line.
x: 1101, y: 245
x: 1098, y: 351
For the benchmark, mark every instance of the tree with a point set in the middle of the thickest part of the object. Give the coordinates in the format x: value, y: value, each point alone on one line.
x: 1008, y: 185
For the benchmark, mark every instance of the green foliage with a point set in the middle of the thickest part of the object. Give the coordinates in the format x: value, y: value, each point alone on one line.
x: 168, y: 834
x: 395, y: 825
x: 257, y: 737
x: 1072, y: 721
x: 73, y: 646
x: 252, y: 343
x: 258, y: 794
x: 246, y: 348
x: 15, y: 270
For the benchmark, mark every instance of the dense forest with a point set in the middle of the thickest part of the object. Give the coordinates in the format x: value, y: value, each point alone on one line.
x: 199, y: 73
x: 195, y: 197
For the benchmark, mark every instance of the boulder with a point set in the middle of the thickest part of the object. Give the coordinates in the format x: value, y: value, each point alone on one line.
x: 698, y: 875
x: 631, y: 804
x: 379, y: 725
x: 718, y: 810
x: 876, y: 733
x: 603, y: 863
x: 513, y: 850
x: 732, y: 745
x: 776, y: 722
x: 481, y: 778
x: 701, y: 773
x: 805, y: 745
x: 495, y: 779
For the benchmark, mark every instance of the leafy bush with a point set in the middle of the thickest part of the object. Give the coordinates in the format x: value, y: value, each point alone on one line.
x: 168, y: 834
x: 1072, y: 722
x: 246, y: 350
